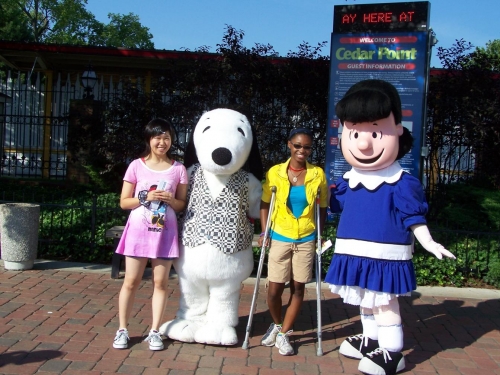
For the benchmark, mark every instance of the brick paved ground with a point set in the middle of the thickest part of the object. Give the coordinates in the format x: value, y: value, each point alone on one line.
x: 58, y: 321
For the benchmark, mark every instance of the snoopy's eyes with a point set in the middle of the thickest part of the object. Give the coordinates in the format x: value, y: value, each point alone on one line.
x: 239, y: 129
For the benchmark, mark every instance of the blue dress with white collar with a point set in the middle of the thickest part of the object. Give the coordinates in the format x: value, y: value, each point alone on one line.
x: 374, y: 246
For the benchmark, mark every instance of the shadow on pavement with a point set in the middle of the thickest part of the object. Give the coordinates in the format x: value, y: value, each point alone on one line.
x: 448, y: 325
x: 442, y: 328
x: 23, y: 357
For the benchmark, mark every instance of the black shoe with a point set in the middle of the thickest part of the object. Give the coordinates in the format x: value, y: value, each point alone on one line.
x: 357, y: 347
x: 382, y: 362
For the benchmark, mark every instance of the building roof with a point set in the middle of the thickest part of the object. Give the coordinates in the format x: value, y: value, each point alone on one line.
x: 113, y: 60
x: 38, y: 56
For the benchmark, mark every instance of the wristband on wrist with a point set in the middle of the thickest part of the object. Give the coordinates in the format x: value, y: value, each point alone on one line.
x: 143, y: 195
x: 262, y: 234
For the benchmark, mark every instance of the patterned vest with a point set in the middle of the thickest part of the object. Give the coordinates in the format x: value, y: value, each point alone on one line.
x: 222, y: 222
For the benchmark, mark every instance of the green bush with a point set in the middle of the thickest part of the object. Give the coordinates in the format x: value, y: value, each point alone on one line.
x: 432, y: 271
x: 468, y: 207
x: 468, y: 225
x: 75, y: 230
x: 493, y: 275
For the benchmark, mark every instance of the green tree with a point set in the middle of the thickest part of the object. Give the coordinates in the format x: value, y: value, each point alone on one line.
x: 25, y: 15
x: 69, y: 22
x: 489, y: 55
x: 13, y: 24
x: 483, y: 120
x: 464, y: 118
x: 124, y: 30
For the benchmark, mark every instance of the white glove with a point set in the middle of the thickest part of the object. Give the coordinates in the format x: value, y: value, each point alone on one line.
x: 423, y: 236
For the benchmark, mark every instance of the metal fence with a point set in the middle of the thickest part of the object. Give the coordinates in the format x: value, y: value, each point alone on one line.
x: 35, y: 120
x: 34, y: 126
x: 34, y: 129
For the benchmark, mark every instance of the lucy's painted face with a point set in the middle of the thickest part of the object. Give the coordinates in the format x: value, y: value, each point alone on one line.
x: 371, y: 146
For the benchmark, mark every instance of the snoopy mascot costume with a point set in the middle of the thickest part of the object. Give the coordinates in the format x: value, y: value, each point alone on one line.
x: 225, y: 172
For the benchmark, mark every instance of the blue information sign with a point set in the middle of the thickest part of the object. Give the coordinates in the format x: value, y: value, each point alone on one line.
x: 399, y: 58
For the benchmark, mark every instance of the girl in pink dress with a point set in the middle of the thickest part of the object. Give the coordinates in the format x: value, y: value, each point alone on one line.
x: 154, y: 189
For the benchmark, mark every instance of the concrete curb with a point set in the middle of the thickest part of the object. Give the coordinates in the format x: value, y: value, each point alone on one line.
x: 451, y: 292
x: 425, y: 291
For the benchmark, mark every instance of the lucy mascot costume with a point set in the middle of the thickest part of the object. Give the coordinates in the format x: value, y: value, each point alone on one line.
x: 225, y: 169
x: 382, y: 207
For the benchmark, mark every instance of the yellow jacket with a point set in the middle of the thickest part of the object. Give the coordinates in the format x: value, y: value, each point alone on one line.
x: 283, y: 221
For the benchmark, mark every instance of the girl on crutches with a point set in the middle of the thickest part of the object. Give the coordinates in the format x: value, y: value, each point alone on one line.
x: 293, y: 233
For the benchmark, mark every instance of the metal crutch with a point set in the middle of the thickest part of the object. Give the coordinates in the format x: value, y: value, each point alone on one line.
x: 319, y: 351
x: 259, y: 269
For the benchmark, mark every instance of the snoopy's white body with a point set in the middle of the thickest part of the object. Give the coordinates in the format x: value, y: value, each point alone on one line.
x: 210, y: 280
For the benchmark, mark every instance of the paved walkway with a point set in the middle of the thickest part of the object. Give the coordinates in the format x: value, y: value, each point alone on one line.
x: 60, y: 318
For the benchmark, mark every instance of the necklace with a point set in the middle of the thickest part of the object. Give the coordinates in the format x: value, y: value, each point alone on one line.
x: 294, y: 179
x: 296, y: 170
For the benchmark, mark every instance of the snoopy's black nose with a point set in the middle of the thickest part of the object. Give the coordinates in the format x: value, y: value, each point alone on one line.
x: 222, y: 156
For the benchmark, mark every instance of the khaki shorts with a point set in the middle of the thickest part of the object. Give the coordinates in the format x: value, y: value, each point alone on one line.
x: 289, y: 260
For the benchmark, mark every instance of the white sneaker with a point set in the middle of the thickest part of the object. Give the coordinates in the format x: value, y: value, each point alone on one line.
x: 357, y: 346
x: 154, y: 339
x: 121, y: 339
x: 381, y: 361
x: 269, y: 339
x: 283, y: 343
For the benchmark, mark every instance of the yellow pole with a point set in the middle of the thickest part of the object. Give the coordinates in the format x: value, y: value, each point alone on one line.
x: 47, y: 125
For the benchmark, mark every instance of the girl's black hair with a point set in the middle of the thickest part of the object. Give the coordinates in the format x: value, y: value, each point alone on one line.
x: 155, y: 127
x: 296, y: 131
x: 371, y: 100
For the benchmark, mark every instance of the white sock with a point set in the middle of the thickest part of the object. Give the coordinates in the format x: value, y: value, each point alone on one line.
x: 370, y: 328
x: 391, y: 337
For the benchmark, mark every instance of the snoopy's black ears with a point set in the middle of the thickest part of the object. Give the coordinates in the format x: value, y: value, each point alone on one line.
x: 190, y: 157
x: 253, y: 164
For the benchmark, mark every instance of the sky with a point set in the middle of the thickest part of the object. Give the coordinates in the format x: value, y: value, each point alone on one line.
x: 285, y: 24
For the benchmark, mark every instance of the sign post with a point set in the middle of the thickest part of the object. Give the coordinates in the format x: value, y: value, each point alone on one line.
x: 389, y: 41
